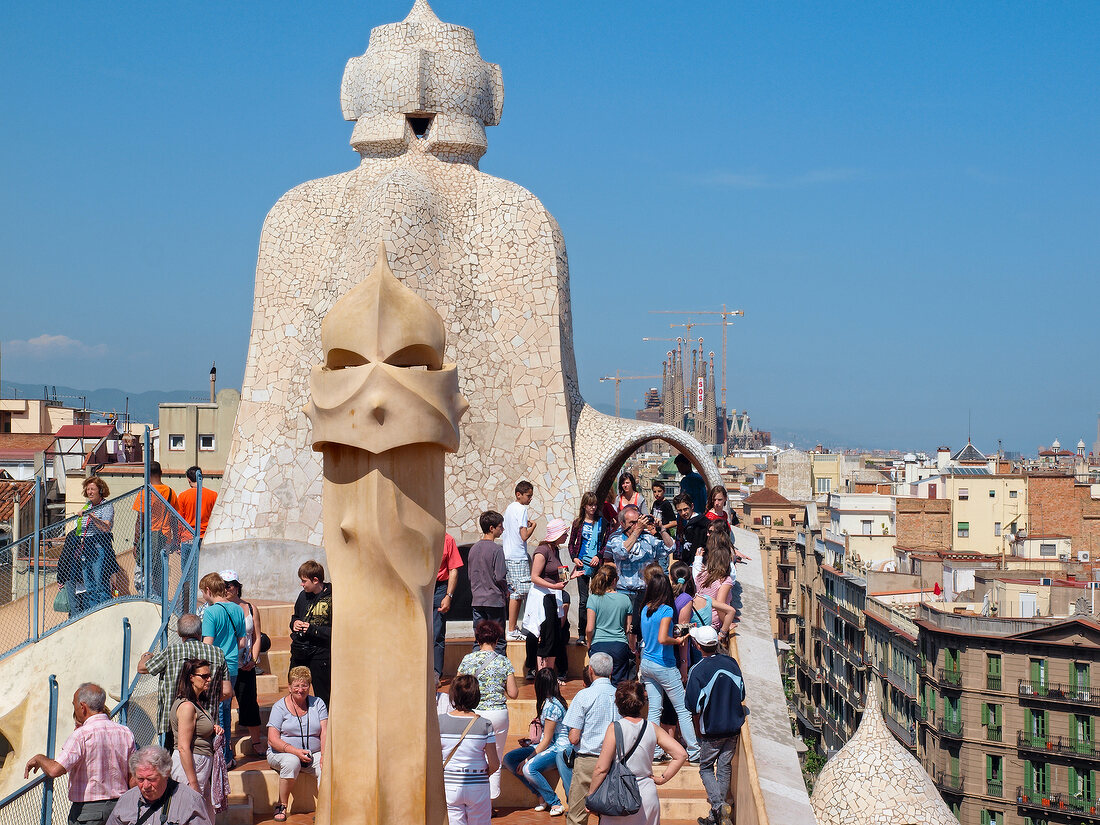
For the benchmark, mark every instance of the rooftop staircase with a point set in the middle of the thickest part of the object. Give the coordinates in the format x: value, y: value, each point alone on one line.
x: 254, y: 785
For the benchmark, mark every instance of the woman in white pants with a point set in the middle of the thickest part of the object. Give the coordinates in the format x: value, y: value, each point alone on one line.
x: 496, y: 679
x: 469, y: 756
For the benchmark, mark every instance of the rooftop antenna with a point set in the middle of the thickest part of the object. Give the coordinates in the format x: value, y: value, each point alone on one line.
x: 968, y: 415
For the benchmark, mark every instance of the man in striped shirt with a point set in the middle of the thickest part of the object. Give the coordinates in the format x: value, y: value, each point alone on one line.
x: 167, y: 664
x: 94, y: 756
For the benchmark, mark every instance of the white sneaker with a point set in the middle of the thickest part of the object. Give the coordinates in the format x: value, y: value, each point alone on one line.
x: 516, y: 636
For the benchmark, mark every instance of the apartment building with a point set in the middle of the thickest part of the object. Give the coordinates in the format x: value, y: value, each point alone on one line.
x: 806, y: 671
x: 986, y: 508
x: 893, y: 645
x: 1009, y: 714
x: 844, y: 662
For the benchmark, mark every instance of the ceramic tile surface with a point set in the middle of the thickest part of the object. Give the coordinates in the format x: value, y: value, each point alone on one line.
x: 483, y: 251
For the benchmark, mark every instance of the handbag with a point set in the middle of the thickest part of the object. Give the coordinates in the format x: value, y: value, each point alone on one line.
x: 265, y: 642
x: 534, y: 730
x: 61, y: 600
x: 569, y: 757
x: 618, y: 794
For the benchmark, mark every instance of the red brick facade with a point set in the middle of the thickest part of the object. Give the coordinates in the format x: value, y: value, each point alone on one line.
x: 924, y: 523
x: 1059, y: 506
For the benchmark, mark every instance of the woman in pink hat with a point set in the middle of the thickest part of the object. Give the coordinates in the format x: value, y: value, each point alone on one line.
x: 545, y: 612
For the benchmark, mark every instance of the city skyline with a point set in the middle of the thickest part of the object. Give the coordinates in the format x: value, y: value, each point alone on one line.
x: 905, y: 197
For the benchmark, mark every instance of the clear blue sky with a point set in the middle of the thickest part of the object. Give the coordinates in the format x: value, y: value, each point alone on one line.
x: 902, y: 197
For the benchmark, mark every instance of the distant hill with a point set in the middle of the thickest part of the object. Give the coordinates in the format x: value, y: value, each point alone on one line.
x: 142, y: 405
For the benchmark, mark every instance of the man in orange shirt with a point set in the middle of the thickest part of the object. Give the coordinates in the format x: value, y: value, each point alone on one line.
x: 188, y: 500
x: 164, y: 530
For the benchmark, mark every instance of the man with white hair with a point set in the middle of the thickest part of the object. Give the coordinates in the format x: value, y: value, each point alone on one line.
x: 94, y: 756
x: 588, y: 718
x: 156, y: 797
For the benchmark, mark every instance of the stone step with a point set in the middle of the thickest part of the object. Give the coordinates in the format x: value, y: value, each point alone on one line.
x: 682, y: 797
x: 263, y: 786
x: 260, y: 782
x: 275, y: 617
x: 239, y: 811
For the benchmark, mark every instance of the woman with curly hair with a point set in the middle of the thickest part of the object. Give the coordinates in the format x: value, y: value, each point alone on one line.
x: 496, y: 680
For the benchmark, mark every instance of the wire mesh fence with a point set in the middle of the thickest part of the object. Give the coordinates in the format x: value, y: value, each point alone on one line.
x: 16, y: 584
x: 109, y: 552
x: 176, y: 583
x: 88, y: 560
x: 24, y: 807
x: 138, y: 707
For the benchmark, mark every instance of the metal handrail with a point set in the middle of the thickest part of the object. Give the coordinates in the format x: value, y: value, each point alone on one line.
x: 22, y: 791
x: 1057, y: 691
x: 1061, y: 745
x: 184, y: 598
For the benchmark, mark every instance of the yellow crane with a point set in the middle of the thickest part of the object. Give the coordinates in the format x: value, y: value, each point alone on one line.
x: 618, y: 379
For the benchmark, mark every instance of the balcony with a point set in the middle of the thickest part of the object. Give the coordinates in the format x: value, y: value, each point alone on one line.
x: 994, y: 787
x: 808, y: 715
x: 899, y: 681
x: 1057, y: 692
x: 786, y: 609
x: 1062, y: 806
x: 907, y: 736
x: 950, y: 678
x: 950, y: 728
x: 993, y: 733
x: 1057, y: 746
x: 850, y: 615
x: 854, y: 697
x: 992, y: 682
x: 949, y: 783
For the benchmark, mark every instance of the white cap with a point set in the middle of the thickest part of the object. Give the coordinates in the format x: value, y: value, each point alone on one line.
x: 705, y: 636
x: 229, y: 575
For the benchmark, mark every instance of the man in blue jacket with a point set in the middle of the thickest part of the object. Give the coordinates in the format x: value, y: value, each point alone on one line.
x: 715, y: 696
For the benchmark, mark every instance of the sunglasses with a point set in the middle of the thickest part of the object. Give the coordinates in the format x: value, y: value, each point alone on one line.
x: 204, y: 675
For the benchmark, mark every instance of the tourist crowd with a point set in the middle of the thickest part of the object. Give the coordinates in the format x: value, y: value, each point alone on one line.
x: 654, y: 583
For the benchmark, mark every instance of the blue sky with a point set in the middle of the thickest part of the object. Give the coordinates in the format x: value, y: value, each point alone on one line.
x: 902, y: 197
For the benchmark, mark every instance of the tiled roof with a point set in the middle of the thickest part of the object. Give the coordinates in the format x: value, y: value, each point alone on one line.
x: 9, y: 490
x: 767, y: 496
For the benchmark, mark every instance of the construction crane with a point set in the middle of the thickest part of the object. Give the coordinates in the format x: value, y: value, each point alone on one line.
x: 618, y: 379
x: 724, y: 323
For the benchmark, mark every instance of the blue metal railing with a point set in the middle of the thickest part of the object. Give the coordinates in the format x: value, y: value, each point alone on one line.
x: 40, y: 565
x: 43, y: 800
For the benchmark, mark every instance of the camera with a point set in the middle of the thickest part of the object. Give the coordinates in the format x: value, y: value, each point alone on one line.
x: 681, y: 630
